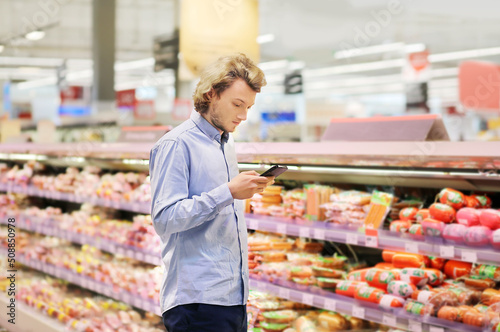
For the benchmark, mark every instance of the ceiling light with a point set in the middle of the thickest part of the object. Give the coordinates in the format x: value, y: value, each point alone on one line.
x: 355, y: 68
x: 35, y: 35
x: 359, y: 51
x: 267, y: 38
x: 442, y: 57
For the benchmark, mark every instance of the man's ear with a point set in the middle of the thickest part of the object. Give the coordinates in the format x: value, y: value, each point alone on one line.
x: 211, y: 94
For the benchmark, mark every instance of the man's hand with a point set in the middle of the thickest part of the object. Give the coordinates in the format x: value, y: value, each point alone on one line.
x: 246, y: 184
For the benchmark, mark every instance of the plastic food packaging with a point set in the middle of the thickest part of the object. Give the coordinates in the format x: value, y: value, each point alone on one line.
x: 487, y: 271
x: 452, y: 197
x: 417, y: 308
x: 437, y: 263
x: 434, y: 276
x: 456, y: 269
x: 454, y: 233
x: 442, y: 212
x: 280, y: 317
x: 441, y: 299
x: 369, y: 294
x: 327, y: 282
x: 422, y: 296
x: 416, y: 229
x: 408, y: 214
x: 387, y: 255
x: 474, y: 317
x: 391, y: 301
x: 326, y: 272
x: 413, y: 275
x: 472, y: 202
x: 479, y: 282
x: 468, y: 216
x: 433, y: 227
x: 477, y: 236
x: 348, y: 287
x: 490, y: 296
x: 466, y: 296
x: 401, y: 260
x: 490, y: 218
x: 421, y: 215
x: 379, y: 278
x: 484, y: 200
x: 332, y: 321
x: 399, y: 226
x: 358, y: 275
x: 401, y: 288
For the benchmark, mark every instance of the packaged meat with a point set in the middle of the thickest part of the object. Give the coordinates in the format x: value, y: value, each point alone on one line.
x: 273, y: 327
x: 413, y: 275
x: 472, y: 202
x: 454, y: 233
x: 468, y: 216
x: 417, y: 308
x: 487, y: 271
x: 384, y: 266
x: 399, y: 226
x: 456, y: 269
x: 490, y: 218
x: 466, y: 296
x: 348, y: 287
x: 416, y: 229
x: 379, y: 278
x: 434, y: 276
x: 332, y: 321
x: 326, y: 272
x: 484, y: 200
x: 401, y: 288
x: 452, y: 197
x: 408, y: 214
x: 437, y: 262
x: 433, y: 227
x: 390, y: 301
x: 369, y: 294
x: 442, y: 212
x: 422, y: 214
x: 387, y: 255
x: 477, y: 236
x: 358, y: 275
x: 479, y: 283
x: 474, y: 317
x: 402, y: 260
x: 441, y: 299
x: 280, y: 317
x: 328, y: 282
x: 422, y: 296
x: 449, y: 313
x: 495, y: 239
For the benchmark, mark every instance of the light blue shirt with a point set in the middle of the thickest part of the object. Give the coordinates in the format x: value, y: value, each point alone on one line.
x: 202, y: 228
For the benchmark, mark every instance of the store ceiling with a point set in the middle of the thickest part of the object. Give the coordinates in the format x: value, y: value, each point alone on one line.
x: 310, y: 31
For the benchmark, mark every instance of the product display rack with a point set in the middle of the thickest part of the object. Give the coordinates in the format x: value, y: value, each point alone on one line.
x: 463, y: 166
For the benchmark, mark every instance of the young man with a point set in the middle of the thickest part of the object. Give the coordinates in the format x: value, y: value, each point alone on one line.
x: 196, y: 204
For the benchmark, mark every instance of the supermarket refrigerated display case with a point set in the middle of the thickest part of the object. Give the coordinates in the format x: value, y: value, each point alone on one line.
x: 464, y: 166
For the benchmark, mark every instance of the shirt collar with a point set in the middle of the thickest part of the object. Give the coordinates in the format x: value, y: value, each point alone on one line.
x: 207, y: 128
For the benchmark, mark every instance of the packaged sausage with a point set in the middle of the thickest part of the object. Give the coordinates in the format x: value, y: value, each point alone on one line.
x: 490, y: 218
x: 486, y: 271
x: 449, y: 313
x: 414, y: 276
x: 422, y: 296
x: 379, y: 278
x: 303, y: 324
x: 456, y: 269
x: 416, y: 229
x: 484, y: 200
x: 417, y: 308
x: 479, y: 283
x: 442, y: 212
x: 384, y: 266
x: 433, y: 227
x: 369, y: 294
x: 387, y: 255
x: 332, y: 321
x: 466, y: 296
x: 401, y: 288
x: 454, y: 233
x: 326, y: 272
x: 399, y: 226
x: 452, y: 197
x: 300, y: 272
x: 327, y: 282
x: 474, y: 317
x: 402, y: 260
x: 280, y: 317
x: 445, y: 298
x: 437, y: 263
x: 348, y: 287
x: 408, y: 214
x: 434, y: 276
x: 391, y: 301
x: 472, y: 202
x: 495, y: 239
x: 335, y: 262
x: 468, y: 216
x: 273, y: 327
x: 477, y: 236
x: 490, y: 296
x: 421, y: 215
x: 358, y: 275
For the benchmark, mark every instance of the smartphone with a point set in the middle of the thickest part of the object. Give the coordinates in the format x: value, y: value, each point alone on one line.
x: 275, y: 171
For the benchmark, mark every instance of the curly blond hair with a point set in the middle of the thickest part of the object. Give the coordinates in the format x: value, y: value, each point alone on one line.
x: 222, y: 73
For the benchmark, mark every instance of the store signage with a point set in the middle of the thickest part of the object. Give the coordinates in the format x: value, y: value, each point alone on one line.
x: 125, y: 99
x: 424, y: 127
x: 145, y: 109
x: 210, y: 29
x: 75, y: 101
x: 182, y: 109
x: 416, y: 74
x: 479, y: 85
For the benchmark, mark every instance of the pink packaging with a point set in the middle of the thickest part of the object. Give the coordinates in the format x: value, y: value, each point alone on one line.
x: 454, y: 232
x: 468, y: 216
x: 477, y: 236
x: 490, y: 218
x: 432, y: 227
x: 495, y: 239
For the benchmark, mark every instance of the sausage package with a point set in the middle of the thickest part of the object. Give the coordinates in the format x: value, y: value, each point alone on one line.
x: 401, y: 288
x: 414, y: 276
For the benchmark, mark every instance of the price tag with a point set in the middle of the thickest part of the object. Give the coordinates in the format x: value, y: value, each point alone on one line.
x: 284, y: 293
x: 304, y: 232
x: 469, y: 256
x: 358, y: 312
x: 57, y: 195
x: 319, y: 234
x: 130, y: 253
x: 107, y: 292
x: 98, y: 288
x: 352, y: 239
x: 136, y: 302
x: 253, y: 224
x: 126, y: 298
x: 120, y: 251
x: 389, y: 320
x: 281, y: 228
x: 330, y: 305
x: 435, y: 329
x: 136, y: 207
x: 139, y: 256
x: 371, y: 241
x: 308, y: 299
x: 447, y: 251
x: 414, y: 326
x: 116, y: 205
x: 411, y: 247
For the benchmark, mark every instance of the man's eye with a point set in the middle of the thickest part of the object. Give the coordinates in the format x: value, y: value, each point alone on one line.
x: 237, y: 105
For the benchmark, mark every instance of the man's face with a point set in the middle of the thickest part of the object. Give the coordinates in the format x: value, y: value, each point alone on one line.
x: 228, y: 110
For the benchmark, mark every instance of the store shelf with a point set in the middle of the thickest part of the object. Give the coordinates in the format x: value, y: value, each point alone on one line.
x: 49, y: 227
x: 91, y: 284
x: 27, y: 319
x: 396, y: 317
x: 425, y: 245
x: 31, y: 190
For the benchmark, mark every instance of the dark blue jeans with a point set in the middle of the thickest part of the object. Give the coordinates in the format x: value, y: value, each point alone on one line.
x: 199, y: 317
